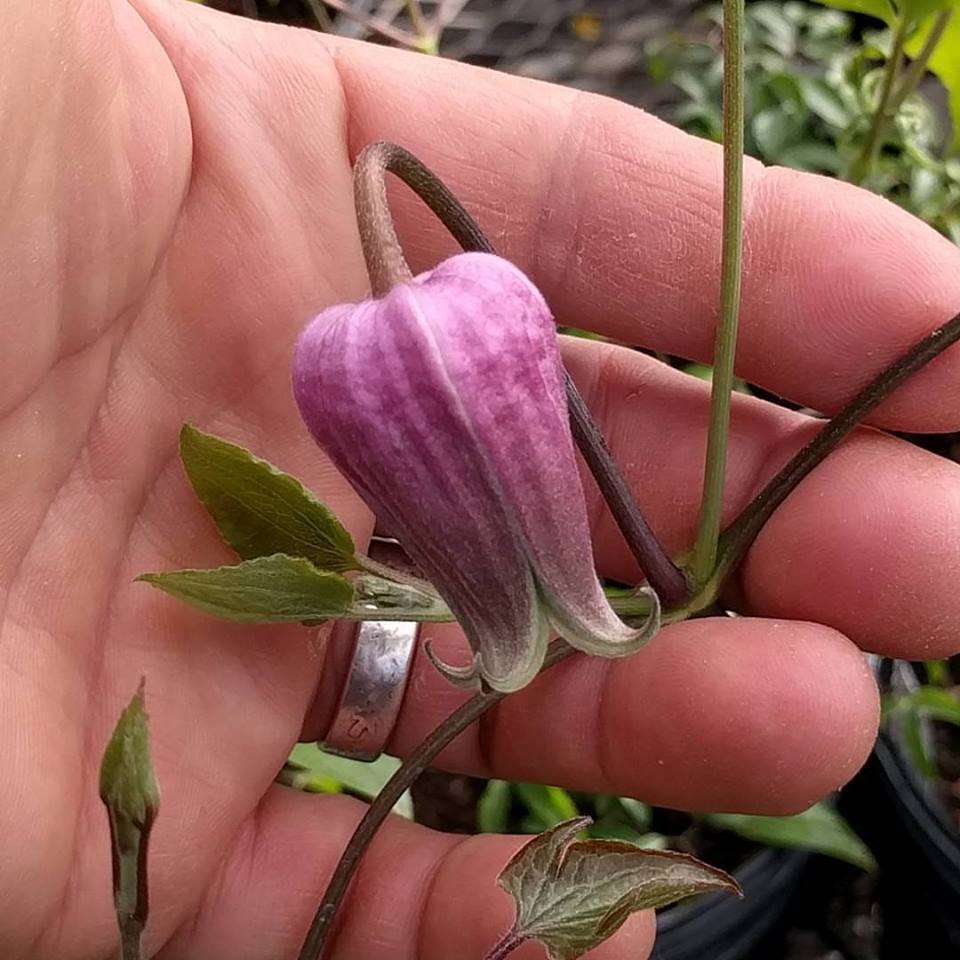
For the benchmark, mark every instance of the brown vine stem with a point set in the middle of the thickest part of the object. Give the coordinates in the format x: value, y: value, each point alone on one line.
x: 387, y: 266
x: 384, y: 802
x: 743, y: 531
x: 506, y: 946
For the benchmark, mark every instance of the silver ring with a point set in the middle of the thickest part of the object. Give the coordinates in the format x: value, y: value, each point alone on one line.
x: 374, y: 689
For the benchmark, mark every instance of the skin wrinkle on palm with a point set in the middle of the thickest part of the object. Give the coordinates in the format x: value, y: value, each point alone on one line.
x: 829, y: 266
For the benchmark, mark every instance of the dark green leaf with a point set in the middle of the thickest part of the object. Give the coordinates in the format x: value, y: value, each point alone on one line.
x: 820, y: 829
x: 573, y: 895
x: 274, y: 589
x: 259, y: 510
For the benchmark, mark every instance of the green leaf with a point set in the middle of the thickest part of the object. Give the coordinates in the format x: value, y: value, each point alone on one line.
x: 493, y: 807
x: 639, y: 812
x: 945, y: 63
x: 823, y: 100
x: 881, y: 9
x: 916, y: 10
x: 916, y: 738
x: 773, y: 130
x: 550, y: 805
x: 820, y: 829
x: 322, y: 772
x: 277, y: 589
x: 572, y: 895
x: 610, y: 828
x: 938, y: 673
x: 259, y: 510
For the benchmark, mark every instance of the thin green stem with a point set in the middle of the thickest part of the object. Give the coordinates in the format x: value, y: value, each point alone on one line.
x: 378, y: 811
x: 871, y: 145
x: 918, y: 68
x: 711, y: 509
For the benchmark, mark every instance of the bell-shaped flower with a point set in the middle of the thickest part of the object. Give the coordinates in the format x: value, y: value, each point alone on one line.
x: 443, y: 404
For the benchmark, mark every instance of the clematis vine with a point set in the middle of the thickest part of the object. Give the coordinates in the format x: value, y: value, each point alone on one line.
x: 443, y: 403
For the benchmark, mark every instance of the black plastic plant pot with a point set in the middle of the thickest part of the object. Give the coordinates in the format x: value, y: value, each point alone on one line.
x: 905, y: 825
x: 721, y: 927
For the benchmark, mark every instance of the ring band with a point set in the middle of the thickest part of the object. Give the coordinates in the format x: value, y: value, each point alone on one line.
x: 374, y: 689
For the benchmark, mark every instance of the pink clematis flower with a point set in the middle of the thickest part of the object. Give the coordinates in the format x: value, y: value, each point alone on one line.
x: 443, y: 404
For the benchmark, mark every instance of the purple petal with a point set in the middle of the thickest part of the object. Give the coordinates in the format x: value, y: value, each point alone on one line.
x: 443, y: 405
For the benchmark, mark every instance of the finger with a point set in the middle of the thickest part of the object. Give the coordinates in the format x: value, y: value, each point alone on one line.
x: 720, y: 714
x: 419, y: 895
x: 866, y: 544
x: 617, y: 217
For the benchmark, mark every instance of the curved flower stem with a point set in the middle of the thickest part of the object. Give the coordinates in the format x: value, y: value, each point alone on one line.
x: 711, y: 506
x: 387, y: 266
x: 918, y: 68
x: 383, y: 803
x: 871, y: 146
x: 743, y: 531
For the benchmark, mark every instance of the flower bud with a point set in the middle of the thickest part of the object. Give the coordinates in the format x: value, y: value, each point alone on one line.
x: 443, y: 404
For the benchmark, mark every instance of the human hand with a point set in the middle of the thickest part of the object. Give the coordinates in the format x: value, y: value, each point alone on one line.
x: 178, y: 204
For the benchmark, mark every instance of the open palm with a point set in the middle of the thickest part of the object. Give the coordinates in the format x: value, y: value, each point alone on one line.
x: 177, y: 204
